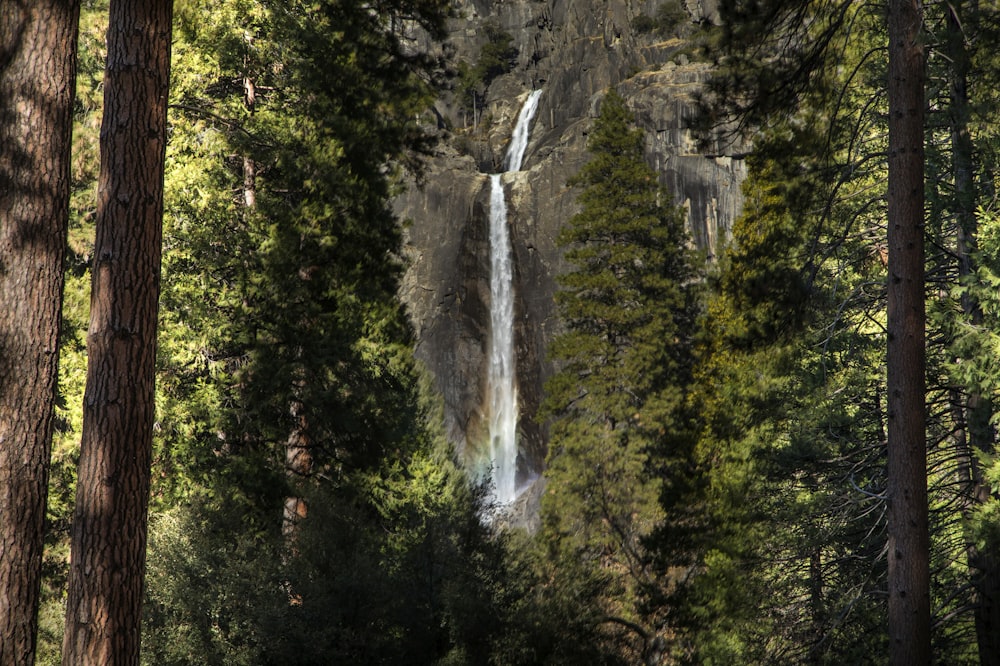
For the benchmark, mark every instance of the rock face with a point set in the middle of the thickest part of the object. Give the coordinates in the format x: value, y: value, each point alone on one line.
x: 573, y: 50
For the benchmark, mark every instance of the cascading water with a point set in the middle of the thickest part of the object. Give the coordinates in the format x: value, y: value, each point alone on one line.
x: 519, y: 140
x: 502, y: 379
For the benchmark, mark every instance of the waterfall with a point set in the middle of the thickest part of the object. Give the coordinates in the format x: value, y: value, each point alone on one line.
x: 502, y: 380
x: 519, y: 140
x: 502, y: 376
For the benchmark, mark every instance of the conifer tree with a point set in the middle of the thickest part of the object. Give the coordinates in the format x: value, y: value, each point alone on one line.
x: 790, y: 392
x: 294, y: 305
x: 787, y: 389
x: 770, y: 80
x: 960, y: 182
x: 628, y: 308
x: 906, y: 494
x: 109, y: 524
x: 37, y: 72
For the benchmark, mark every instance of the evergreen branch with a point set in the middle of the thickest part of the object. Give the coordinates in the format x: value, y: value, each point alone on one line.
x: 866, y: 493
x: 231, y: 124
x: 628, y: 624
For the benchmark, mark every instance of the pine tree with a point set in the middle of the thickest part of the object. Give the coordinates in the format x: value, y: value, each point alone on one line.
x: 909, y: 547
x: 786, y: 392
x: 789, y: 392
x: 37, y: 72
x: 960, y: 181
x: 628, y: 308
x: 109, y: 524
x: 283, y: 334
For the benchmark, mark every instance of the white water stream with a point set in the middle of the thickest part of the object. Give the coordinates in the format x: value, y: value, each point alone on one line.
x: 502, y: 377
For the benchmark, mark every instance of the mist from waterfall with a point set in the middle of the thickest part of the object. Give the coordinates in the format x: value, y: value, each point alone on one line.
x: 502, y: 375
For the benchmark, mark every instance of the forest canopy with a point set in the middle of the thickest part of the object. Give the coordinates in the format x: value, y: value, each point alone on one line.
x: 218, y: 444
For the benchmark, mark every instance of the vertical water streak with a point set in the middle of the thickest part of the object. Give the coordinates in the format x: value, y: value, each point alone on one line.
x: 519, y: 140
x: 501, y: 378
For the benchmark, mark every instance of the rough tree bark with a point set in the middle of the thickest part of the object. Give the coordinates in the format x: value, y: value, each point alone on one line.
x: 109, y: 522
x: 37, y: 73
x: 908, y: 551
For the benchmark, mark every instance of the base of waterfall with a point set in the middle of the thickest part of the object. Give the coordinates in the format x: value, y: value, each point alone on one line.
x: 524, y: 512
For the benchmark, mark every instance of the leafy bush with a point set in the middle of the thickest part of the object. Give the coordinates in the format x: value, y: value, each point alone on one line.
x: 643, y: 24
x: 669, y: 16
x: 496, y: 57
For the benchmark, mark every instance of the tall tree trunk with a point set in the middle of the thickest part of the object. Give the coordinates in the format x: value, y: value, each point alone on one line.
x: 908, y: 551
x: 37, y: 72
x: 109, y: 524
x: 250, y: 104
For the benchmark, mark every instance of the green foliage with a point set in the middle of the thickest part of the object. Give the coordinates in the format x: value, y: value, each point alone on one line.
x: 291, y: 298
x: 723, y: 492
x: 628, y: 308
x: 498, y: 54
x: 790, y: 389
x: 783, y: 545
x: 280, y: 320
x: 626, y: 304
x: 969, y: 367
x: 496, y: 57
x: 554, y: 612
x: 209, y: 583
x: 397, y: 568
x: 771, y: 55
x: 670, y: 15
x: 643, y: 24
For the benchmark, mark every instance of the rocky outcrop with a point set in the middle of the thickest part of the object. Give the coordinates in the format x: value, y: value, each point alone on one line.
x: 574, y: 50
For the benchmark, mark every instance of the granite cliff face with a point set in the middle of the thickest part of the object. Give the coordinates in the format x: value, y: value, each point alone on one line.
x: 573, y: 50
